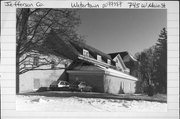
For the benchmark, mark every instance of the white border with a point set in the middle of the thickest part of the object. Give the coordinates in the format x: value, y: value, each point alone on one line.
x: 7, y: 68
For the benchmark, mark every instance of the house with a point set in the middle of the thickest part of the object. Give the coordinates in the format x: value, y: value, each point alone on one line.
x: 100, y: 71
x: 94, y: 67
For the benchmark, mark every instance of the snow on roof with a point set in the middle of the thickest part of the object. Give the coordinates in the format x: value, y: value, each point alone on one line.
x: 133, y: 58
x: 118, y: 73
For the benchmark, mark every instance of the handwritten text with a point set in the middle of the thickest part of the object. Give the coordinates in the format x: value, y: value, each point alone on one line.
x: 146, y: 5
x: 22, y: 4
x: 84, y: 5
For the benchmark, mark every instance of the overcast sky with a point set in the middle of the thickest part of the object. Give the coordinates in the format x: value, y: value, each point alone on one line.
x: 116, y: 30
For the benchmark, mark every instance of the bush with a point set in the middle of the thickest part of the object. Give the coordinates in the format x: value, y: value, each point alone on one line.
x: 42, y: 89
x: 150, y: 90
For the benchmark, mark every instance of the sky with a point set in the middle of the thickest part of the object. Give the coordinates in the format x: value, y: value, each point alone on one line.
x: 117, y: 30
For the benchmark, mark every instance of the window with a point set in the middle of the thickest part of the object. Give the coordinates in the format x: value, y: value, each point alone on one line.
x: 53, y: 63
x: 85, y: 53
x: 116, y: 60
x: 109, y: 61
x: 99, y: 58
x: 36, y: 61
x: 36, y: 84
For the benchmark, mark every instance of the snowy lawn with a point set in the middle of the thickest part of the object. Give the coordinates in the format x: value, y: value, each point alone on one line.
x: 79, y: 104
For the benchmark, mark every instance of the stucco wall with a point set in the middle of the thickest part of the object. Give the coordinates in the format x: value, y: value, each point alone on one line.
x: 32, y: 80
x: 116, y: 85
x: 95, y: 80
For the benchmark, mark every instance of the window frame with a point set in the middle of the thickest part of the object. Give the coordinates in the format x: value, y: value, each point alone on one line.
x: 35, y: 61
x: 85, y: 52
x: 99, y: 58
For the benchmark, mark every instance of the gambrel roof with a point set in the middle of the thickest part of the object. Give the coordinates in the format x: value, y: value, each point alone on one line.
x: 73, y: 50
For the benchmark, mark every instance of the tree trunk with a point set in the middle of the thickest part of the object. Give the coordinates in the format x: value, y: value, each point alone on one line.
x: 17, y: 75
x: 23, y: 33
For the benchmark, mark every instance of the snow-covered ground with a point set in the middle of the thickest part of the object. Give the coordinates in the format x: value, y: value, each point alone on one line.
x: 76, y: 104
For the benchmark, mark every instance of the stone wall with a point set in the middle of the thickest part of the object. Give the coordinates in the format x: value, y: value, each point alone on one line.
x: 104, y: 83
x: 118, y: 85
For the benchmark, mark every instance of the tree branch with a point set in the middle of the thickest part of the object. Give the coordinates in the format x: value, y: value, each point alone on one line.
x: 39, y: 23
x: 26, y: 70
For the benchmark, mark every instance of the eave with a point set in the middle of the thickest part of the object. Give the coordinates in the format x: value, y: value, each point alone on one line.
x: 94, y: 61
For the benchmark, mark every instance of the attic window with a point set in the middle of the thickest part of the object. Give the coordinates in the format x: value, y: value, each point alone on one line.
x: 36, y: 61
x: 85, y: 53
x: 109, y: 61
x: 116, y: 60
x: 99, y: 58
x: 53, y: 63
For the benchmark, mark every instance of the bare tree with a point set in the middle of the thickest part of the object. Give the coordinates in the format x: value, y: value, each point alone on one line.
x: 32, y: 27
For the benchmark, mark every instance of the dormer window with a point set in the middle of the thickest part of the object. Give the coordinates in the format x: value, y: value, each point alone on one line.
x: 85, y: 52
x: 99, y: 58
x: 109, y: 61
